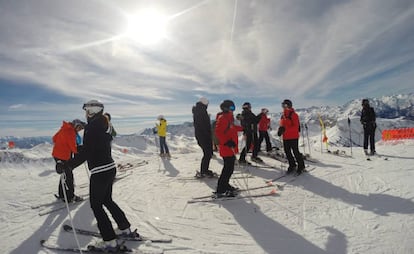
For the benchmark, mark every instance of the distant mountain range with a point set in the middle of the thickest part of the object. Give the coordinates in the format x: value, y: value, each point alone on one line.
x: 399, y: 107
x: 387, y: 107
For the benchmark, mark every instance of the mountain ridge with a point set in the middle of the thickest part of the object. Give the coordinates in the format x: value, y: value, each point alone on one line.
x: 395, y: 107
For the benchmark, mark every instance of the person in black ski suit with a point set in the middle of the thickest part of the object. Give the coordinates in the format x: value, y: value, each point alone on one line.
x: 368, y: 119
x: 202, y: 131
x: 97, y: 152
x: 249, y: 123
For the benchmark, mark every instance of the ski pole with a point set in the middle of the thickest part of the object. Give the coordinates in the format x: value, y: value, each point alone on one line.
x: 64, y: 188
x: 245, y: 178
x: 307, y: 137
x: 350, y: 131
x: 303, y: 138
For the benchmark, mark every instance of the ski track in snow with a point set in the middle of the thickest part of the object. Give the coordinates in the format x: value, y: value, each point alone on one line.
x: 345, y: 205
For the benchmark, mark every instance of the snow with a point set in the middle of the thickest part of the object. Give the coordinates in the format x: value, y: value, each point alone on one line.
x: 345, y: 205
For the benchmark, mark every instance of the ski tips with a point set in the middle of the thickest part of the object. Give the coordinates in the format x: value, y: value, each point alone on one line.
x: 273, y: 191
x: 269, y: 183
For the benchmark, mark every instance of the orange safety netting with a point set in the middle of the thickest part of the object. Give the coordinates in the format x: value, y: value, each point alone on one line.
x: 394, y: 134
x: 11, y: 144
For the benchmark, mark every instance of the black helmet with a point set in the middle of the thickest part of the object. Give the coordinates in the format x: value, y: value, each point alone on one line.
x: 227, y: 105
x: 78, y: 123
x: 287, y: 103
x: 247, y: 105
x: 365, y: 102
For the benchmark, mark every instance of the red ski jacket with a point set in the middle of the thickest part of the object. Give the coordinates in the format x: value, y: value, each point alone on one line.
x: 64, y: 142
x: 264, y: 123
x: 290, y: 120
x: 225, y: 131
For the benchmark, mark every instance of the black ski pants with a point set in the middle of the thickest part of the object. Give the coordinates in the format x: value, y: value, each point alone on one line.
x: 228, y: 168
x: 69, y: 186
x: 369, y: 138
x: 207, y: 147
x: 100, y: 191
x: 163, y: 145
x: 251, y: 138
x: 265, y: 135
x: 292, y: 145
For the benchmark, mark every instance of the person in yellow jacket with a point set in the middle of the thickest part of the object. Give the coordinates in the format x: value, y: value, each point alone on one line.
x: 162, y: 133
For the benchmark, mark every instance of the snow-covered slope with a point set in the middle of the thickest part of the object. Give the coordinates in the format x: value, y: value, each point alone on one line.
x: 344, y: 205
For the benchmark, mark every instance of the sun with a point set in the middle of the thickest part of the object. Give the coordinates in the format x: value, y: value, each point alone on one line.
x: 146, y: 27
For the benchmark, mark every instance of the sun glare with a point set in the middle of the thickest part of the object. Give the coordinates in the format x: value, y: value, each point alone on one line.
x: 146, y: 27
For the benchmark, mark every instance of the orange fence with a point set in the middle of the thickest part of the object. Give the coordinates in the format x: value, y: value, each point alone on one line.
x: 404, y: 133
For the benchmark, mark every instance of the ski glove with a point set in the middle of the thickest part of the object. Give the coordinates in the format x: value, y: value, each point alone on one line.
x: 230, y: 143
x: 280, y: 131
x: 60, y: 167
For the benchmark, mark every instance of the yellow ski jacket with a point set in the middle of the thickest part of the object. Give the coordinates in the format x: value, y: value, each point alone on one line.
x: 162, y: 128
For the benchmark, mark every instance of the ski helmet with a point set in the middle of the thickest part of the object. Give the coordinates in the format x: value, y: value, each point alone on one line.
x: 78, y: 123
x: 247, y: 105
x: 160, y: 117
x: 365, y: 102
x: 204, y: 100
x: 227, y: 105
x: 287, y: 103
x: 93, y: 107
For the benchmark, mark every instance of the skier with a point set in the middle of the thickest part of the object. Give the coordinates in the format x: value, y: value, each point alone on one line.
x: 202, y: 131
x: 97, y: 152
x: 226, y: 133
x: 290, y: 129
x: 249, y: 122
x: 264, y: 126
x: 66, y: 143
x: 162, y: 133
x: 368, y: 119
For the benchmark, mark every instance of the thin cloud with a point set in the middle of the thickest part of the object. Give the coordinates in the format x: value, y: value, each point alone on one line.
x: 312, y: 51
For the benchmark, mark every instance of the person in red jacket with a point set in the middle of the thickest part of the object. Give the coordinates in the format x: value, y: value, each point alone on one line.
x: 264, y: 126
x: 65, y: 146
x: 290, y: 129
x: 226, y: 132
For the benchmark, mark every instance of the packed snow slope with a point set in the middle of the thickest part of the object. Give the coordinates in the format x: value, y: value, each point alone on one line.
x: 344, y: 205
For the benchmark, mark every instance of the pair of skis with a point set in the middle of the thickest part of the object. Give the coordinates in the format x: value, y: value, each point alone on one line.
x: 93, y: 249
x: 268, y: 184
x: 276, y: 156
x: 189, y: 178
x: 69, y: 228
x: 53, y: 206
x: 213, y: 198
x: 130, y: 165
x: 369, y: 156
x: 294, y: 176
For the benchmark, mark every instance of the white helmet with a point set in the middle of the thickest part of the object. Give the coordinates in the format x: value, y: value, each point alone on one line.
x: 160, y: 117
x: 93, y: 107
x: 204, y: 100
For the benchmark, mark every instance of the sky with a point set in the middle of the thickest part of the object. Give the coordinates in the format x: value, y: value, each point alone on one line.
x: 145, y: 58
